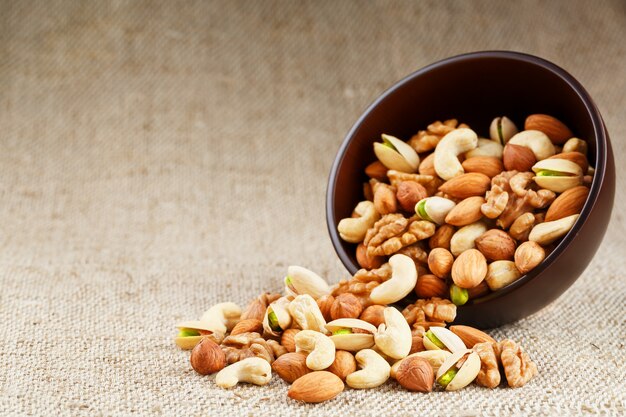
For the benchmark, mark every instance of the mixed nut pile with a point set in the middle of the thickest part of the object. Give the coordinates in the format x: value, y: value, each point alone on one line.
x: 475, y: 214
x: 472, y: 217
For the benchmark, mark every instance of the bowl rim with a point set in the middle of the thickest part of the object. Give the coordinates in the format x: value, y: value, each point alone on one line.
x: 599, y: 134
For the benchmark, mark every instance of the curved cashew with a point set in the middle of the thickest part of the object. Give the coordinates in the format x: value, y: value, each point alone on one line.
x: 321, y: 349
x: 458, y: 141
x: 222, y: 317
x: 353, y: 229
x: 394, y: 336
x: 547, y: 232
x: 300, y: 280
x: 536, y: 141
x: 575, y: 145
x: 307, y: 314
x: 253, y: 370
x: 464, y: 238
x: 486, y: 147
x: 402, y: 281
x: 374, y: 370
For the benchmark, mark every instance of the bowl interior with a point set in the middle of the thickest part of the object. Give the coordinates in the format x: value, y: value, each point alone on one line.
x: 471, y: 88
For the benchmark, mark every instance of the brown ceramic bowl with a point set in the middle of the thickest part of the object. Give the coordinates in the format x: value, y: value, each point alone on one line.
x: 474, y: 88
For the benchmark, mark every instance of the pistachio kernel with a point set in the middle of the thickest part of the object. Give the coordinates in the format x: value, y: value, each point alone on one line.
x: 446, y: 378
x: 421, y: 210
x: 342, y: 331
x: 273, y: 321
x: 387, y: 143
x: 188, y: 333
x: 458, y: 295
x: 550, y: 173
x: 431, y: 336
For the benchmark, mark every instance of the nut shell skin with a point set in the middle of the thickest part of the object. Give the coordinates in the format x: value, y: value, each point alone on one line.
x: 207, y: 357
x: 416, y: 374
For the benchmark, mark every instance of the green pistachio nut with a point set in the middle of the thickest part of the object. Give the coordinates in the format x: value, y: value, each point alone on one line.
x: 188, y: 333
x: 273, y: 321
x: 342, y: 331
x: 550, y: 173
x: 421, y: 210
x: 446, y: 378
x: 458, y: 295
x: 387, y: 143
x: 287, y: 280
x: 431, y: 336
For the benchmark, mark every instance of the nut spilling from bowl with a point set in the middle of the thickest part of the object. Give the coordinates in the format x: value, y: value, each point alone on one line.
x: 289, y: 335
x: 474, y: 214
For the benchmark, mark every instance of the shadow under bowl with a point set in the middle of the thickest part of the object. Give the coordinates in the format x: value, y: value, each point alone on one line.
x: 474, y: 88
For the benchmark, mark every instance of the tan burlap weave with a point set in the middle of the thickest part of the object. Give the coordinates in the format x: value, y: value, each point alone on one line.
x: 158, y: 158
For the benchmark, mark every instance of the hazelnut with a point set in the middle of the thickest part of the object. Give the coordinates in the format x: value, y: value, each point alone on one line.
x: 374, y: 315
x: 346, y: 305
x: 366, y: 261
x: 429, y: 286
x: 343, y: 365
x: 469, y: 269
x: 440, y: 262
x: 325, y: 302
x: 384, y: 199
x: 518, y: 158
x: 291, y: 366
x: 442, y: 237
x: 207, y: 357
x: 409, y: 193
x: 528, y: 255
x: 496, y: 245
x: 287, y: 341
x: 416, y: 374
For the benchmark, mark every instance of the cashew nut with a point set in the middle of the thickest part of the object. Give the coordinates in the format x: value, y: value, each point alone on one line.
x: 547, y: 232
x: 353, y: 229
x: 464, y: 238
x: 575, y: 145
x: 321, y: 349
x: 253, y: 370
x: 486, y: 147
x: 307, y: 314
x: 394, y: 336
x: 458, y: 141
x: 300, y: 280
x: 402, y: 281
x: 222, y: 317
x: 536, y: 141
x: 374, y: 370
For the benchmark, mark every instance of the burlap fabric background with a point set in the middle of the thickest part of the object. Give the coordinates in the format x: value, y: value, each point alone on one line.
x: 158, y: 158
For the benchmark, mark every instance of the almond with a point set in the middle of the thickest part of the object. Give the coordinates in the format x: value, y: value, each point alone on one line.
x: 287, y: 339
x: 518, y: 158
x: 207, y: 357
x: 470, y: 336
x: 469, y: 269
x: 466, y: 185
x: 377, y: 171
x: 427, y: 166
x: 575, y: 157
x: 568, y: 203
x: 551, y: 126
x: 488, y: 165
x: 428, y: 286
x: 247, y: 326
x: 466, y: 212
x: 496, y: 245
x: 343, y: 365
x: 366, y: 261
x: 316, y: 387
x: 291, y: 366
x: 440, y: 262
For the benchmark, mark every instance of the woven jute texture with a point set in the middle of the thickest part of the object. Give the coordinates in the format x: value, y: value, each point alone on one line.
x: 156, y: 158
